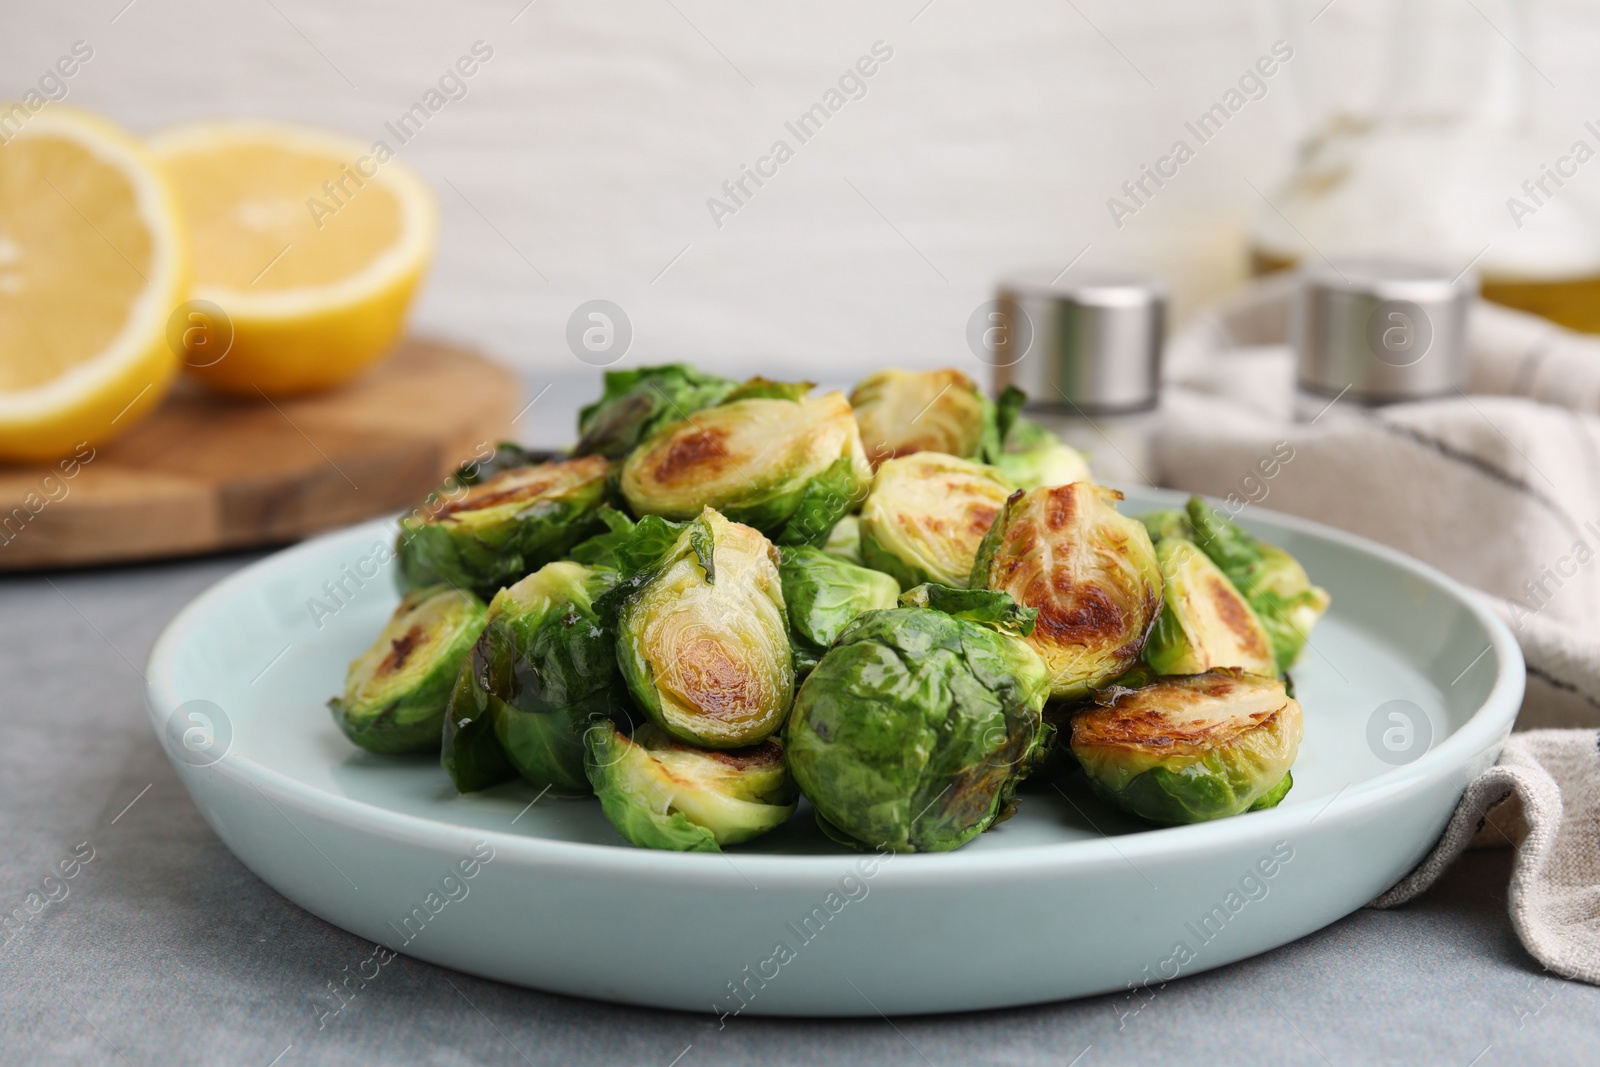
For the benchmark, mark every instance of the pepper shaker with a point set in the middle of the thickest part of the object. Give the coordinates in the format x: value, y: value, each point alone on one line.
x: 1088, y: 354
x: 1374, y: 332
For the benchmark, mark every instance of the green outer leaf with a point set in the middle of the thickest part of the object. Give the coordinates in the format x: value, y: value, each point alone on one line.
x: 979, y: 576
x: 413, y: 721
x: 845, y: 541
x: 608, y: 767
x: 601, y: 549
x: 471, y: 754
x: 1000, y: 415
x: 1275, y: 795
x: 998, y: 610
x: 548, y: 671
x: 822, y: 594
x: 767, y: 389
x: 913, y: 730
x: 879, y: 558
x: 1211, y: 787
x: 1169, y: 522
x: 636, y: 402
x: 826, y: 499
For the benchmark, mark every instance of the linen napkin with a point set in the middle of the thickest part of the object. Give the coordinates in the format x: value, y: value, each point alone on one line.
x: 1497, y: 486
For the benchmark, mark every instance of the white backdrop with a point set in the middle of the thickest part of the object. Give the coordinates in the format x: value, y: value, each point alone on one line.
x: 579, y: 163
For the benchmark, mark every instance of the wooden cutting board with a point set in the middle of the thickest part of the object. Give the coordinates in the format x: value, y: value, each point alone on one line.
x: 207, y: 472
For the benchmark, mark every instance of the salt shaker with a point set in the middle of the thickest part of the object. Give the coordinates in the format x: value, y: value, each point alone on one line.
x: 1087, y: 351
x: 1374, y: 332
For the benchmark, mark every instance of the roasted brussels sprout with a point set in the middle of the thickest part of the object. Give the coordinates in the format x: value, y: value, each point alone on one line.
x: 660, y: 793
x: 822, y: 594
x: 1204, y: 621
x: 702, y: 635
x: 502, y: 528
x: 1034, y: 457
x: 1271, y: 579
x: 1192, y: 748
x: 905, y: 411
x: 914, y: 729
x: 1090, y: 571
x: 471, y: 754
x: 845, y: 540
x: 926, y: 514
x: 548, y: 669
x: 790, y: 466
x: 396, y: 692
x: 636, y: 402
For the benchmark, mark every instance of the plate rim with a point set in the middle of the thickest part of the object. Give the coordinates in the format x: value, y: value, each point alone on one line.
x: 1486, y: 728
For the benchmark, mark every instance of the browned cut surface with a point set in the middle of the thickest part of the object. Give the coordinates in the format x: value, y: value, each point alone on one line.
x: 206, y: 472
x: 691, y: 455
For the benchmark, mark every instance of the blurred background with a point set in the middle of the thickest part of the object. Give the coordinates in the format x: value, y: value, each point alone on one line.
x: 580, y: 161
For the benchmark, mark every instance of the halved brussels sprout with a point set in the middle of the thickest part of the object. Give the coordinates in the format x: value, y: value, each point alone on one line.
x: 471, y: 754
x: 1204, y: 621
x: 905, y: 411
x: 927, y: 514
x: 821, y: 594
x: 702, y: 635
x: 914, y: 729
x: 503, y: 527
x: 636, y: 402
x: 790, y: 467
x: 1271, y: 579
x: 1090, y: 571
x: 660, y: 793
x: 1189, y: 749
x: 396, y: 692
x: 845, y: 540
x: 548, y: 669
x: 1035, y: 457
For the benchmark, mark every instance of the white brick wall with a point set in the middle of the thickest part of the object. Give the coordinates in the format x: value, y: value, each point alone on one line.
x: 593, y: 138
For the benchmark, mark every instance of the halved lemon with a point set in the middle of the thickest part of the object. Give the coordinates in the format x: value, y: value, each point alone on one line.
x: 93, y: 260
x: 309, y: 245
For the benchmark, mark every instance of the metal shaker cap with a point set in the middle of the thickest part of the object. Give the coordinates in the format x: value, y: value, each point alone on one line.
x: 1091, y: 343
x: 1382, y: 331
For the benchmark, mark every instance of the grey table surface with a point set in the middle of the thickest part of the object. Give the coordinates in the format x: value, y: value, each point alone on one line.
x: 167, y: 950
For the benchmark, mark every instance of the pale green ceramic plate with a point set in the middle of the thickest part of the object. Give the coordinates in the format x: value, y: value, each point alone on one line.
x: 1409, y: 690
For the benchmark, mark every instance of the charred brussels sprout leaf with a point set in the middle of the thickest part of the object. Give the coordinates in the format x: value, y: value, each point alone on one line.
x: 1204, y: 621
x: 913, y: 731
x: 636, y: 402
x: 791, y: 468
x: 902, y: 412
x: 1034, y: 457
x: 471, y: 754
x: 660, y: 793
x: 1091, y: 573
x: 1271, y: 579
x: 1193, y: 748
x: 974, y: 605
x: 396, y: 692
x: 822, y: 594
x: 502, y: 528
x: 546, y: 669
x: 702, y: 635
x: 927, y: 514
